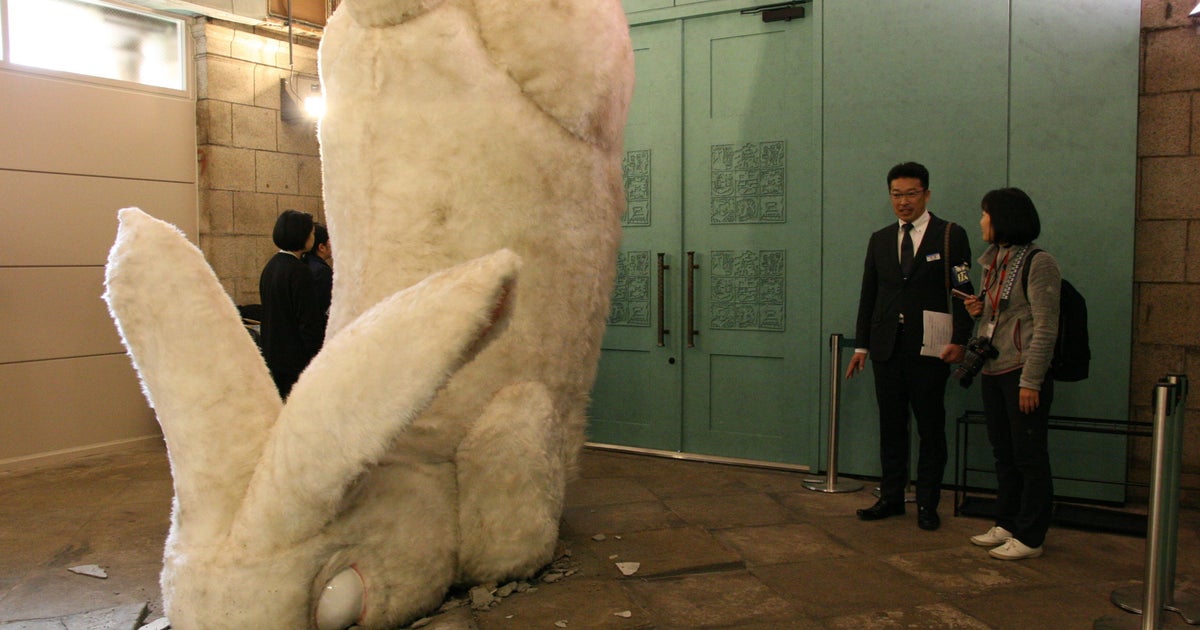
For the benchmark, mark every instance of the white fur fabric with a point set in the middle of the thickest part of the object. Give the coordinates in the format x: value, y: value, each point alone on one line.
x: 430, y: 441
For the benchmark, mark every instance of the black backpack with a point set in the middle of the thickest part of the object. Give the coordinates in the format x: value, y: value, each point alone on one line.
x: 1071, y: 351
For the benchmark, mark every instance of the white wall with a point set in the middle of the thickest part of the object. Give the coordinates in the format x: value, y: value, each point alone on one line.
x: 72, y: 154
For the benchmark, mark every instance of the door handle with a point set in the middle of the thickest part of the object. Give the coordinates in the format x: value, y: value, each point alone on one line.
x: 662, y: 316
x: 691, y: 299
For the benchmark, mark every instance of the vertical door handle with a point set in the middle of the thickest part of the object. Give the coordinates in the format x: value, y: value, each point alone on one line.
x: 691, y: 299
x: 662, y: 316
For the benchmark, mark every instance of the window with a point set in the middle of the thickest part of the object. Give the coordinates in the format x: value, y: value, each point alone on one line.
x: 95, y: 39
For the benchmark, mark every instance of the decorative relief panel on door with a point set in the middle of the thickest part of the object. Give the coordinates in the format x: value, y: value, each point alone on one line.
x: 631, y: 296
x: 749, y: 182
x: 749, y: 289
x: 636, y: 167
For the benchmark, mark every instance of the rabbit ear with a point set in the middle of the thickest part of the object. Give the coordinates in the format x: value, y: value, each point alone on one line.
x: 370, y: 380
x: 200, y: 369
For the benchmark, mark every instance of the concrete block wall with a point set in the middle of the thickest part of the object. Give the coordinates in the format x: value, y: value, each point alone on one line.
x: 252, y: 164
x: 1167, y: 256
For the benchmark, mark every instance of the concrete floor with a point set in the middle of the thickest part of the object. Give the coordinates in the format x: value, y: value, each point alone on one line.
x: 719, y: 547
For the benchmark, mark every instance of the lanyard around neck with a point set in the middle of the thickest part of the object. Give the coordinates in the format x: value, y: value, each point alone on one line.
x: 992, y: 280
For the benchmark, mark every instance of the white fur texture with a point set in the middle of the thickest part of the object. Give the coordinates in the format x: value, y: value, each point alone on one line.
x: 249, y: 549
x: 430, y: 441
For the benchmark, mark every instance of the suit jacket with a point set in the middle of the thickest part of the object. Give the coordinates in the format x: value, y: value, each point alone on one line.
x: 886, y: 294
x: 292, y: 323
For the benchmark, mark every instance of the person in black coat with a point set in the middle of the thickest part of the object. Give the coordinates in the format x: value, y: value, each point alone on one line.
x: 317, y: 258
x: 906, y: 275
x: 292, y: 324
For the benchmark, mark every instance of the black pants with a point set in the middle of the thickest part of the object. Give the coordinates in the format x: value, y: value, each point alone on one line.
x: 909, y: 380
x: 1025, y: 490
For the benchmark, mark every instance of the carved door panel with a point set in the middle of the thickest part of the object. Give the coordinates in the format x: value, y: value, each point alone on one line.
x: 637, y: 400
x: 734, y: 137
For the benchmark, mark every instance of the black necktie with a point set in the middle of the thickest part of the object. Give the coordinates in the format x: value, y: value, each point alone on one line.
x: 906, y: 250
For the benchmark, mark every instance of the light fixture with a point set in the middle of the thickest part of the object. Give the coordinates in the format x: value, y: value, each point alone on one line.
x: 300, y: 99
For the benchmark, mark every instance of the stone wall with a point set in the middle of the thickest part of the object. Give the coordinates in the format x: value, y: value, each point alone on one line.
x: 1166, y: 327
x: 252, y: 164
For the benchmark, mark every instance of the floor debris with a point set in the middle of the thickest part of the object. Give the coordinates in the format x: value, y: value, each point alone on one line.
x: 91, y: 570
x: 629, y: 568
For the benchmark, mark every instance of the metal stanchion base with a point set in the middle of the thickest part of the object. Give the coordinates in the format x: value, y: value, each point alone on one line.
x: 1188, y: 607
x: 838, y: 485
x: 1131, y: 598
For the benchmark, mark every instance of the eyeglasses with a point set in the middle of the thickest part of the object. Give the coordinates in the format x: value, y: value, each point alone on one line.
x: 910, y: 195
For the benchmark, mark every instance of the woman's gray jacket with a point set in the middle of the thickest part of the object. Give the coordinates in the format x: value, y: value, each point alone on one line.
x: 1027, y: 325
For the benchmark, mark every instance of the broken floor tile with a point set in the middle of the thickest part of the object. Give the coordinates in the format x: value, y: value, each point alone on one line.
x: 127, y: 617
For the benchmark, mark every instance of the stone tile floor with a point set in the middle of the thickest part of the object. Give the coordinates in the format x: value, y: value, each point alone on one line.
x: 719, y: 546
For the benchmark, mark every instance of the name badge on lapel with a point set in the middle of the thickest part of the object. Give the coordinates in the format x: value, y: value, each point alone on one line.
x: 933, y: 257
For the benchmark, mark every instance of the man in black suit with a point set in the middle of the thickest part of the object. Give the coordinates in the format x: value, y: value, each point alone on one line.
x: 909, y: 271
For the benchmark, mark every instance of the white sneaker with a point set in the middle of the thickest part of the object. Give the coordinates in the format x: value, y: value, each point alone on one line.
x: 992, y: 537
x: 1014, y: 549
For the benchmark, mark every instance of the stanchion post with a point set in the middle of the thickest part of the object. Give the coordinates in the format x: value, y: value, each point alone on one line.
x: 1152, y: 596
x: 831, y: 483
x: 1188, y: 606
x: 1157, y: 594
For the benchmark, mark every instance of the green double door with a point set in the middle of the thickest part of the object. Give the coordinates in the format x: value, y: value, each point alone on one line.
x: 713, y: 343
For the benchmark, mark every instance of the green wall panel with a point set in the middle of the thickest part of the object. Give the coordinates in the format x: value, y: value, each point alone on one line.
x: 1032, y: 94
x: 1073, y: 148
x: 923, y: 81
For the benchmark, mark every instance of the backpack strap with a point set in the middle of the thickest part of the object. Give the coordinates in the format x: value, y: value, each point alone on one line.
x: 1025, y: 271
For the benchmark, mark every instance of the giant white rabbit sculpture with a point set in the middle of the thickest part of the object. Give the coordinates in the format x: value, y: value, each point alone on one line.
x: 472, y: 179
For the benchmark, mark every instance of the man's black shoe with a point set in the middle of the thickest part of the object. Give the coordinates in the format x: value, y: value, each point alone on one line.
x: 928, y: 519
x: 881, y: 509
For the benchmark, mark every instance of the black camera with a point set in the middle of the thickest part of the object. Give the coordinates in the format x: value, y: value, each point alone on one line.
x: 979, y: 350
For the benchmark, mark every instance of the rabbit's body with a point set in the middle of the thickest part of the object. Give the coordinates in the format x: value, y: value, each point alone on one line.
x: 430, y: 441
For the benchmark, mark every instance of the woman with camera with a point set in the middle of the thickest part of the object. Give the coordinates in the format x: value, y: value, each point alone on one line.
x: 1018, y: 317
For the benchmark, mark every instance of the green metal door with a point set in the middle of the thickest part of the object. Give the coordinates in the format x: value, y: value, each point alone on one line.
x: 636, y: 399
x: 724, y: 133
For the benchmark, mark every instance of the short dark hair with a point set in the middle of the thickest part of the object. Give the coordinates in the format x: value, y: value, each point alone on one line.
x: 909, y: 169
x: 320, y: 237
x: 292, y: 229
x: 1013, y: 216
